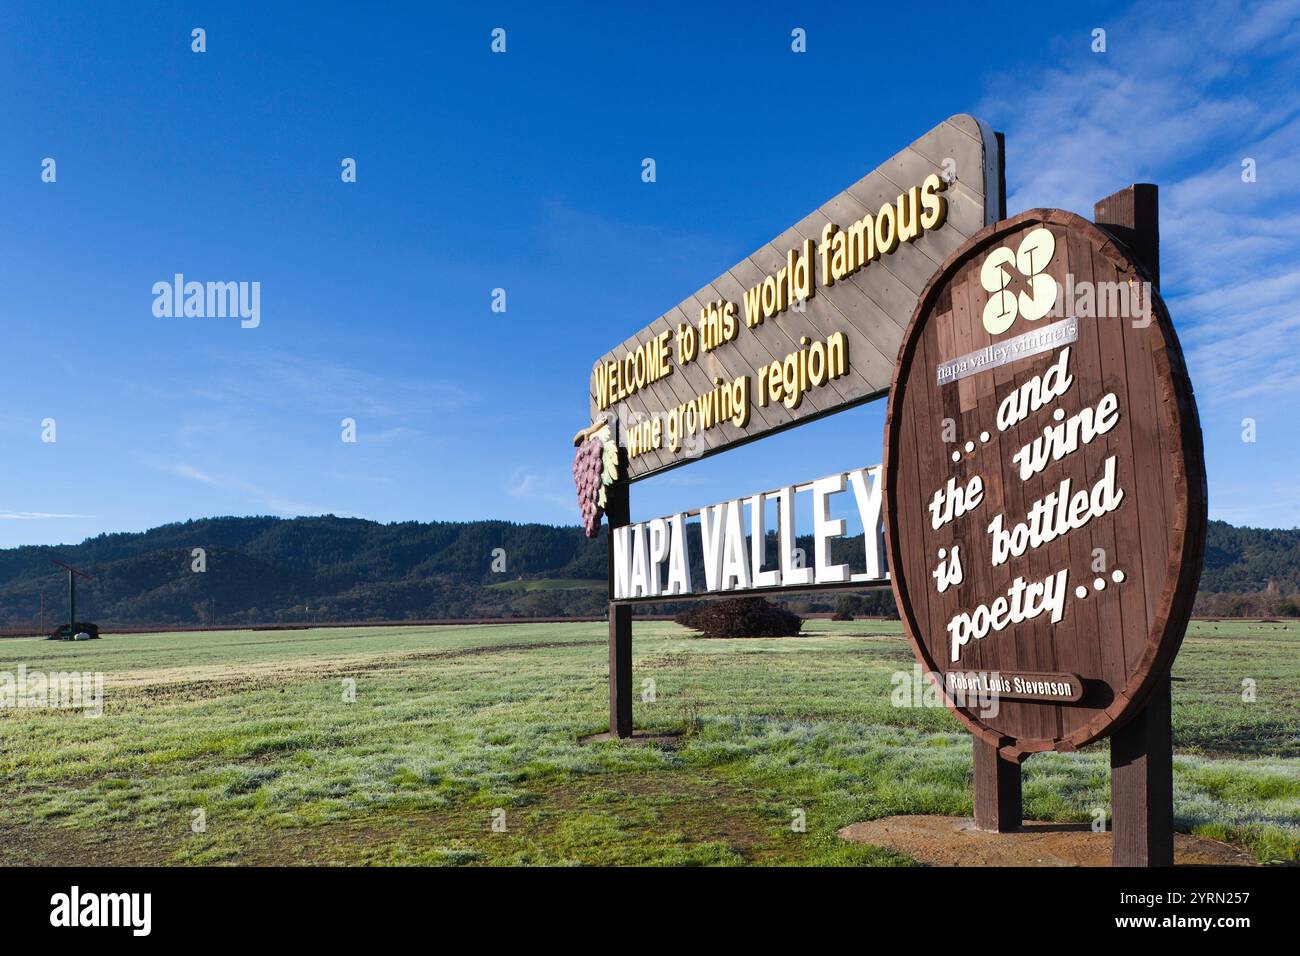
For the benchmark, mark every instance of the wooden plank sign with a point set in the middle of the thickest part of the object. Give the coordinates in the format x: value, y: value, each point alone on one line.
x: 1044, y: 483
x: 809, y: 323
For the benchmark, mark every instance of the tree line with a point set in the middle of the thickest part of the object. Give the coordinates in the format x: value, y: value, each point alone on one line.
x: 261, y: 570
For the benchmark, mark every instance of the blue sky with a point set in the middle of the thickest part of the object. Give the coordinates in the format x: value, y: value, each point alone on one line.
x: 522, y: 171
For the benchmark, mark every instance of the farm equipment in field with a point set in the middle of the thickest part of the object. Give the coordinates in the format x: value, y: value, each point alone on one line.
x: 82, y: 631
x: 74, y: 630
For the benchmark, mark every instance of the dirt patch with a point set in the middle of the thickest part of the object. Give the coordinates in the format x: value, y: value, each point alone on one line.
x: 53, y: 845
x: 191, y: 684
x: 954, y: 841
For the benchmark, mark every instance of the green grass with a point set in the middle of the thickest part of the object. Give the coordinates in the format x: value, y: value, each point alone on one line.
x: 453, y: 726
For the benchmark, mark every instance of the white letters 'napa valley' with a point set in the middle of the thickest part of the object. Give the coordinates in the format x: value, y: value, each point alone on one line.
x: 652, y: 558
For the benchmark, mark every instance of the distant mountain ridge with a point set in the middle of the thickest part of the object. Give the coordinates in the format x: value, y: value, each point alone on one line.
x: 267, y: 570
x: 263, y: 569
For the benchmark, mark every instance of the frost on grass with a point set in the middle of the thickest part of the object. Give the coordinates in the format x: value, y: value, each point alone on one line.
x: 450, y: 723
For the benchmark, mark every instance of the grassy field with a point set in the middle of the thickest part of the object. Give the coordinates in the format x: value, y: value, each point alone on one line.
x: 455, y: 729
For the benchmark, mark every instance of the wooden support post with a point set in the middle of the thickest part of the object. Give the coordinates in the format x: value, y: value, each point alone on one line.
x: 998, y: 805
x: 997, y: 790
x: 618, y: 512
x: 1132, y: 216
x: 997, y: 780
x: 1142, y: 785
x: 1141, y: 752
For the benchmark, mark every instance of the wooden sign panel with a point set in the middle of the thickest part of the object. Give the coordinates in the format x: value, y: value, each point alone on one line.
x: 1044, y: 482
x: 809, y: 323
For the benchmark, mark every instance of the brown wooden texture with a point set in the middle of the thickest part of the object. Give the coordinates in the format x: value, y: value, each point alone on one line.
x: 619, y: 513
x: 997, y: 790
x: 1142, y: 785
x: 1121, y: 639
x: 871, y: 308
x: 620, y: 670
x: 1141, y: 751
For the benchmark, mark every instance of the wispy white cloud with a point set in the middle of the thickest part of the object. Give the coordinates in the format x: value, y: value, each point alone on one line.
x: 544, y: 488
x: 254, y: 383
x: 194, y: 474
x: 250, y: 492
x: 1184, y: 94
x: 314, y: 383
x: 36, y: 516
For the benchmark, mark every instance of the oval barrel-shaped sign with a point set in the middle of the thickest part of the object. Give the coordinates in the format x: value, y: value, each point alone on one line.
x: 1045, y: 484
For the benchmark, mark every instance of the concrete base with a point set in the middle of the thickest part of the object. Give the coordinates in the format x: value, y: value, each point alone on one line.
x: 954, y: 841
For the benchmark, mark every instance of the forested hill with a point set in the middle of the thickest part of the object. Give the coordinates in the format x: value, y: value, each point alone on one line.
x: 266, y: 570
x: 1250, y: 571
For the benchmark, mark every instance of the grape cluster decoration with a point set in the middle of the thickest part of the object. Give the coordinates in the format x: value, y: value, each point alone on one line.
x: 595, y: 467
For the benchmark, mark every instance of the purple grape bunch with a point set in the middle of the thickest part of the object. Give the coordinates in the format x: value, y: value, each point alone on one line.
x: 594, y: 466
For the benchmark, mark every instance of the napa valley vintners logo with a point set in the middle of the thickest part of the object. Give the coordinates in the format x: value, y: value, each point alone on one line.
x: 1017, y: 282
x: 59, y: 690
x: 209, y: 300
x: 1019, y: 287
x: 75, y: 908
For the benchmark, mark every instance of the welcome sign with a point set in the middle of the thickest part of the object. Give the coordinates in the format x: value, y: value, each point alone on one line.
x: 1042, y: 498
x: 809, y: 323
